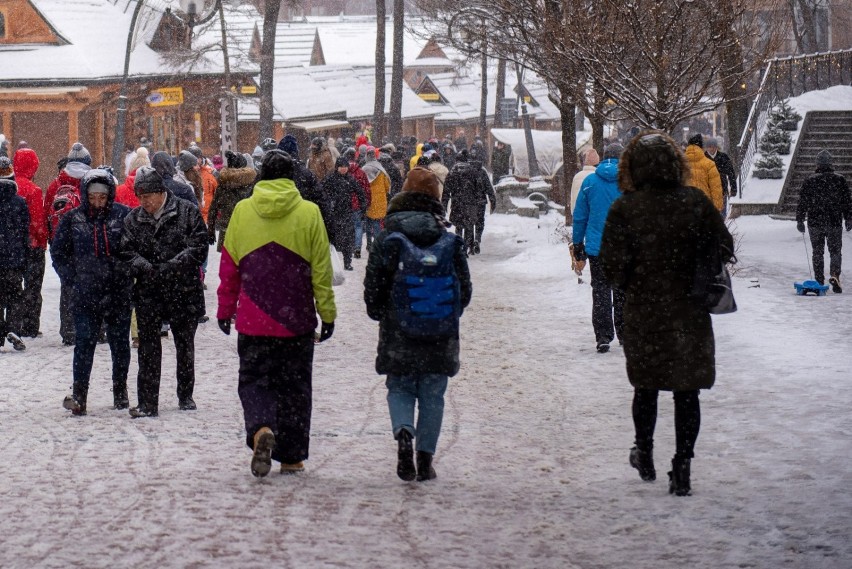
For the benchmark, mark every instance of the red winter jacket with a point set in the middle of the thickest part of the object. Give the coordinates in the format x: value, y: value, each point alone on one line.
x: 25, y: 164
x: 124, y: 194
x: 362, y: 179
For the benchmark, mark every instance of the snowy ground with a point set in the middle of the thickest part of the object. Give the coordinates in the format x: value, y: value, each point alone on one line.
x: 532, y: 465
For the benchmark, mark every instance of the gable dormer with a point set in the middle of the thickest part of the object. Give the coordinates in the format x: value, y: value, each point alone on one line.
x: 432, y: 51
x: 21, y: 22
x: 256, y: 45
x: 172, y: 34
x: 429, y: 92
x: 317, y: 56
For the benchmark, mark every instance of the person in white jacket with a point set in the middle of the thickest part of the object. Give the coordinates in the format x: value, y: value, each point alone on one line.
x: 590, y: 162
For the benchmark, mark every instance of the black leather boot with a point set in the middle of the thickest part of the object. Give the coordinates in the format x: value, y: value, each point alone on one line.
x: 424, y: 466
x: 119, y: 396
x: 405, y: 456
x: 679, y: 477
x: 643, y: 461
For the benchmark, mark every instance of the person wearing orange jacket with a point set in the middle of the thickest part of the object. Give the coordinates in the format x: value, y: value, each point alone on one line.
x: 703, y: 173
x: 208, y: 179
x: 25, y: 164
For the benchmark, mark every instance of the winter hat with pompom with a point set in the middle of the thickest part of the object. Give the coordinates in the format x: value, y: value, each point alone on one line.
x: 79, y: 153
x: 141, y: 159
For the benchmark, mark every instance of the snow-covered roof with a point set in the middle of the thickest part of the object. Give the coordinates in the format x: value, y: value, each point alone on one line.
x: 96, y: 31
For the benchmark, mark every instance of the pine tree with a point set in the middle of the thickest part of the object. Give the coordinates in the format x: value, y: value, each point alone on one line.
x: 784, y: 117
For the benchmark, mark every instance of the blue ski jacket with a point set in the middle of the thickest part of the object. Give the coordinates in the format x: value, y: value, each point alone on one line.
x: 598, y: 192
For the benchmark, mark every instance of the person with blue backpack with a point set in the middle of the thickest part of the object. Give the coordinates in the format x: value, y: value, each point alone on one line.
x: 597, y: 194
x: 417, y: 285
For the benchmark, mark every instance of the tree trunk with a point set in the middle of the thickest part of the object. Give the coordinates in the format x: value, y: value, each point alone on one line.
x: 809, y: 33
x: 597, y: 133
x: 379, y: 106
x: 500, y: 92
x: 483, y: 100
x: 567, y: 112
x: 267, y: 67
x: 395, y: 118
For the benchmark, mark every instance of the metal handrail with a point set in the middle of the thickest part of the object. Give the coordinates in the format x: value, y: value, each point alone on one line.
x: 779, y: 81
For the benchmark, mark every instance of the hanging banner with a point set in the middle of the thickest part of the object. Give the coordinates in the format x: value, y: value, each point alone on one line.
x: 197, y: 120
x: 228, y: 131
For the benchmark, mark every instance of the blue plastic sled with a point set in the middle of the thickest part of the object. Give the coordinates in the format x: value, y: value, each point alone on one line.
x: 810, y: 287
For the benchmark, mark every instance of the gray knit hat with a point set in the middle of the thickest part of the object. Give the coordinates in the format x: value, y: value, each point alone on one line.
x: 148, y: 181
x: 613, y: 151
x: 824, y: 158
x: 186, y: 161
x: 79, y: 153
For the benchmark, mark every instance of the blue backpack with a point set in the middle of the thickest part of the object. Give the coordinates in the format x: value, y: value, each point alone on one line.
x: 426, y: 293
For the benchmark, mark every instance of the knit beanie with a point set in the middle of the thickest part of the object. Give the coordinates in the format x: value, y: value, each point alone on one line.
x: 276, y: 164
x: 591, y: 158
x: 79, y: 153
x: 6, y: 170
x: 290, y: 145
x: 697, y: 140
x: 217, y: 161
x: 824, y: 158
x: 341, y: 162
x: 196, y: 151
x: 234, y: 160
x: 423, y: 181
x: 148, y: 181
x: 186, y: 161
x: 613, y: 151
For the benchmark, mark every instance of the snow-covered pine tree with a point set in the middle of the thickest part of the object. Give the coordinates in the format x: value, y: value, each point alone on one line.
x: 775, y: 140
x: 770, y: 166
x: 784, y: 116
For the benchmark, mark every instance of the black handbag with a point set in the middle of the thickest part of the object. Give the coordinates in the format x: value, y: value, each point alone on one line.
x: 712, y: 283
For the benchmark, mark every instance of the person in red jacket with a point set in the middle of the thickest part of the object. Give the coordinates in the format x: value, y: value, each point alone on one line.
x: 25, y: 164
x: 358, y: 209
x: 124, y: 193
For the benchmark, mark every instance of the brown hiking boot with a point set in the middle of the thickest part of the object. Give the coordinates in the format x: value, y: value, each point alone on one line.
x: 261, y: 460
x: 292, y: 468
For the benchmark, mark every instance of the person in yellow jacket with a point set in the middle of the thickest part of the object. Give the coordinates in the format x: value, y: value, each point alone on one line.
x: 275, y: 275
x: 379, y: 187
x: 417, y: 154
x: 703, y: 173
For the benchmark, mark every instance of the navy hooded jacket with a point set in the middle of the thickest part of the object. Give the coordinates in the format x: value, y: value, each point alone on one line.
x: 85, y: 250
x: 162, y: 163
x: 14, y: 226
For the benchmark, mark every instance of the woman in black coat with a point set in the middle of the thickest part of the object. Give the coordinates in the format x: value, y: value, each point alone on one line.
x: 649, y: 250
x: 339, y: 188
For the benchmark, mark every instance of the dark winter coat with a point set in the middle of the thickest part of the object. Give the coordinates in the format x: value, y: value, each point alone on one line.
x: 500, y: 161
x: 311, y: 190
x: 165, y: 257
x: 726, y: 171
x: 395, y: 176
x: 340, y: 189
x: 462, y: 190
x: 14, y: 227
x: 85, y: 253
x: 649, y: 250
x: 420, y: 218
x: 485, y: 191
x: 235, y: 184
x: 162, y: 163
x: 825, y: 200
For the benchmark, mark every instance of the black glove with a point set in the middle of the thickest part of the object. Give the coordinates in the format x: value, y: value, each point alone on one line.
x: 141, y: 266
x: 733, y: 193
x: 493, y: 207
x: 225, y: 325
x: 326, y: 331
x: 849, y: 225
x: 580, y: 252
x: 801, y: 226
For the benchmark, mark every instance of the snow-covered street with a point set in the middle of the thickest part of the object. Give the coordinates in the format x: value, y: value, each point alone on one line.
x: 532, y: 463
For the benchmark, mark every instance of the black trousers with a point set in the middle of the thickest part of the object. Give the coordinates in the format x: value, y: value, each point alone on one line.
x: 66, y: 313
x: 607, y: 305
x: 88, y: 325
x: 687, y: 420
x: 10, y: 302
x: 31, y: 299
x: 465, y: 231
x: 479, y: 225
x: 276, y: 390
x: 151, y: 355
x: 820, y: 237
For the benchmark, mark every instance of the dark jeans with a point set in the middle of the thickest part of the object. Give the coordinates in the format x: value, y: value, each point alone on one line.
x: 687, y: 420
x: 33, y: 278
x: 479, y: 226
x: 10, y: 302
x: 151, y: 355
x: 607, y: 305
x: 66, y: 313
x: 87, y: 325
x: 276, y: 391
x: 465, y: 231
x: 833, y: 237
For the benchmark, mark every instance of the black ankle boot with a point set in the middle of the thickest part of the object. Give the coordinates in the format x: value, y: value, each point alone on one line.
x: 405, y: 457
x: 679, y: 477
x: 643, y: 461
x: 119, y: 397
x: 424, y: 466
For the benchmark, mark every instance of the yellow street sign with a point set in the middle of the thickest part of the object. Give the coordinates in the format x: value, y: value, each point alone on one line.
x: 248, y: 90
x: 165, y: 97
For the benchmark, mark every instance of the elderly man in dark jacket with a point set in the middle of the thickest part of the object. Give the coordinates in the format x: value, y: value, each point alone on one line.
x: 825, y: 203
x: 462, y: 189
x: 165, y: 244
x: 85, y: 256
x: 14, y: 245
x: 162, y: 163
x: 725, y: 166
x: 417, y: 366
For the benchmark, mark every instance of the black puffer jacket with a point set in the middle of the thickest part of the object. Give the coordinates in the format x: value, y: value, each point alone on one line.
x: 649, y: 250
x: 419, y: 218
x: 85, y: 253
x: 14, y: 227
x: 165, y: 257
x: 825, y: 200
x: 390, y: 167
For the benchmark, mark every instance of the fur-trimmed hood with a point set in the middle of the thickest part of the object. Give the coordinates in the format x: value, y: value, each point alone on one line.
x: 237, y: 177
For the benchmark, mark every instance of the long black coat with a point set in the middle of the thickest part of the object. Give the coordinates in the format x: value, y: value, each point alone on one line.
x: 462, y: 190
x: 390, y: 167
x: 339, y: 190
x: 726, y: 171
x: 417, y: 217
x: 165, y: 257
x: 85, y: 253
x: 825, y: 200
x: 14, y: 227
x: 649, y: 250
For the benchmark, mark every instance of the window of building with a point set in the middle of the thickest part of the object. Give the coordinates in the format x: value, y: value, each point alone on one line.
x: 2, y: 25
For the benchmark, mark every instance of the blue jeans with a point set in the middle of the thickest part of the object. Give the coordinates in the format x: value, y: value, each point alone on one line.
x: 87, y: 327
x: 374, y: 227
x: 358, y: 218
x: 428, y: 391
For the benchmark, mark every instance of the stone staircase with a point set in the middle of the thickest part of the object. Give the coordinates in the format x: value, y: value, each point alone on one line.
x: 829, y: 130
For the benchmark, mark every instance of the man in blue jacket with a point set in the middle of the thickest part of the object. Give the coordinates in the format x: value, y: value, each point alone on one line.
x: 85, y: 256
x: 597, y: 194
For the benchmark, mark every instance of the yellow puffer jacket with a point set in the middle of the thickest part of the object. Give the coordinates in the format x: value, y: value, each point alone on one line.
x: 704, y: 175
